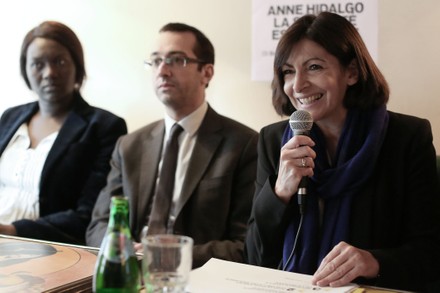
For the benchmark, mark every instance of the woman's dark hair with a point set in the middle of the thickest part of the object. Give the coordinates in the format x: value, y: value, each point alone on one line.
x: 63, y: 35
x: 341, y: 39
x: 204, y: 50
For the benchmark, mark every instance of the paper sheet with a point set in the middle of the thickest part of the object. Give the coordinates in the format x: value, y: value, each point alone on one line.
x: 224, y: 276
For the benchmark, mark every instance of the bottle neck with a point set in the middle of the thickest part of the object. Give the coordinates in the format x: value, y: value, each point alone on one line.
x: 118, y: 214
x: 118, y: 220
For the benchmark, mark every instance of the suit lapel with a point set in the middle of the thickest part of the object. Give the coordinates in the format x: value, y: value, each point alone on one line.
x: 10, y: 127
x: 208, y: 140
x: 150, y: 153
x: 72, y: 127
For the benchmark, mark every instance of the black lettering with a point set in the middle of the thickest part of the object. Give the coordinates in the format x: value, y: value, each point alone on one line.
x: 352, y: 8
x: 359, y: 7
x: 285, y: 22
x: 285, y: 10
x: 348, y: 8
x: 332, y: 9
x: 352, y: 19
x: 311, y: 9
x: 281, y: 23
x: 271, y: 11
x: 276, y: 34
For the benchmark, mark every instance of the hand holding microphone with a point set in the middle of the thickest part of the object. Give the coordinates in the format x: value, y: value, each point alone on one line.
x: 301, y: 123
x: 296, y: 160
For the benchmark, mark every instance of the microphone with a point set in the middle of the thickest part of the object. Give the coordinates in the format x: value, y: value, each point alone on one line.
x: 301, y: 122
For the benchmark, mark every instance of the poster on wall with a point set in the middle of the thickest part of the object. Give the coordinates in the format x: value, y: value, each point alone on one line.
x: 270, y: 18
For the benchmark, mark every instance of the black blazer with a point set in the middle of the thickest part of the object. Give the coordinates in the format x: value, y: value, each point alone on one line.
x: 74, y: 172
x: 395, y: 217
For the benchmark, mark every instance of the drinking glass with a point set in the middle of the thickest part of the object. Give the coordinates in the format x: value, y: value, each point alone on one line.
x: 167, y: 262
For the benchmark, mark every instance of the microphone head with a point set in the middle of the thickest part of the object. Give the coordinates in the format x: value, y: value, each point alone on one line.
x: 301, y: 122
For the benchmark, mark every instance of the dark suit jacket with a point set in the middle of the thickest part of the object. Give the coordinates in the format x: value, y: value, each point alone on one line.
x: 396, y: 217
x: 74, y: 172
x: 216, y: 198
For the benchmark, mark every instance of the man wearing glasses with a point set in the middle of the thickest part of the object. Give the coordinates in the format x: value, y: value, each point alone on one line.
x: 211, y: 186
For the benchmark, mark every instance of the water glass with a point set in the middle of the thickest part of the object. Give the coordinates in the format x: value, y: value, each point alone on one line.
x: 167, y: 262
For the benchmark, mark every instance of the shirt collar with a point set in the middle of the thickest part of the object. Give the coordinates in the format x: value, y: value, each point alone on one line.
x: 190, y: 123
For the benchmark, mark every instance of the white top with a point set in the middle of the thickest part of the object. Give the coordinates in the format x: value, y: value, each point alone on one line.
x: 20, y: 174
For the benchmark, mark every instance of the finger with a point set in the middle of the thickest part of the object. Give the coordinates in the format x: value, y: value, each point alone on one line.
x: 137, y: 246
x: 328, y: 258
x: 349, y: 264
x: 344, y: 279
x: 333, y: 274
x: 321, y: 276
x: 331, y: 264
x: 293, y: 163
x: 298, y: 141
x: 305, y: 162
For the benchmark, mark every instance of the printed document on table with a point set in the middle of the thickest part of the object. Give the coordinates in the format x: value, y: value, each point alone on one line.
x: 219, y: 276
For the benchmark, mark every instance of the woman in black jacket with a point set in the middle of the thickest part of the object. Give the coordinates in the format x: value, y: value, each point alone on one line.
x: 55, y: 152
x: 371, y: 210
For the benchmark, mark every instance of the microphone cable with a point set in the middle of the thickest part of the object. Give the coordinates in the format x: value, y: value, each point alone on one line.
x: 302, y: 195
x: 292, y: 253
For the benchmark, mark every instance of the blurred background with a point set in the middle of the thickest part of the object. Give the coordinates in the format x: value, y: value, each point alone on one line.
x: 117, y: 35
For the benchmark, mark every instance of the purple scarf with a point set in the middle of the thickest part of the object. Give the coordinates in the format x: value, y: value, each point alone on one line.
x: 357, y: 152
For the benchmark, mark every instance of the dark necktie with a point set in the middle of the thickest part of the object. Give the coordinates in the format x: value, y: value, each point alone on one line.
x: 164, y: 190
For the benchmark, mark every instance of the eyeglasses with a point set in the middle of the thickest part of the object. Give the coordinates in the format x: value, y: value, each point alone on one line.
x: 172, y: 61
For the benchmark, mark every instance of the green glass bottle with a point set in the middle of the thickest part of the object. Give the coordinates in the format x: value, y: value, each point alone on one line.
x: 117, y: 268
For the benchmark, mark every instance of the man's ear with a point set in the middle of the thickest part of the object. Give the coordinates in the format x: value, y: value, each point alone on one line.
x: 208, y: 73
x: 352, y: 73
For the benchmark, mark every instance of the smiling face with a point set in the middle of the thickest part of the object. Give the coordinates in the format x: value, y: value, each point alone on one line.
x: 315, y: 81
x: 51, y: 71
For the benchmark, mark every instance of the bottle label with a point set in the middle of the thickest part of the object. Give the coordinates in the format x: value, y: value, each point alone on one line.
x: 117, y: 247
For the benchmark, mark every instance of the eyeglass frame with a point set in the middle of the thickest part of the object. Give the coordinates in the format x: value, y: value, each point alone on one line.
x: 169, y: 61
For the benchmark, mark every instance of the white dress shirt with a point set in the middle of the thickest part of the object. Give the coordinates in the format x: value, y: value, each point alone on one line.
x: 20, y: 174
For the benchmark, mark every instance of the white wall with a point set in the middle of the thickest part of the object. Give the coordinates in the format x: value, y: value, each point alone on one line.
x: 117, y: 36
